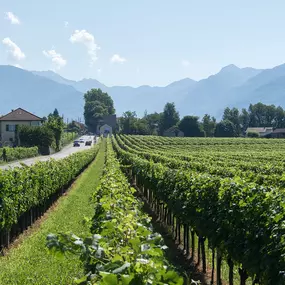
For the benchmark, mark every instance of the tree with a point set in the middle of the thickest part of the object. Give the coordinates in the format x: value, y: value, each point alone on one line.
x: 55, y: 123
x: 73, y: 127
x: 279, y: 120
x: 225, y: 129
x: 190, y: 126
x: 233, y: 116
x: 141, y: 127
x: 40, y: 136
x: 127, y: 123
x: 97, y: 104
x: 244, y: 120
x: 169, y: 118
x: 153, y: 122
x: 209, y: 125
x: 55, y: 113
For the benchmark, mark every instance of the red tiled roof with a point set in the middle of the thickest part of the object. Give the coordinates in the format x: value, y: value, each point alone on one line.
x: 20, y: 115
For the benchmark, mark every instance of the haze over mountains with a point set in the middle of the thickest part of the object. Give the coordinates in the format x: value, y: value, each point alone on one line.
x: 41, y: 91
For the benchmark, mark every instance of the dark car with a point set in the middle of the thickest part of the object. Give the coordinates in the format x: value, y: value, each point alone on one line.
x: 88, y: 143
x: 76, y: 143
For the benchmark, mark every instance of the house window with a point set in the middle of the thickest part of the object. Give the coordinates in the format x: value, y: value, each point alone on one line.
x: 10, y: 128
x: 35, y: 123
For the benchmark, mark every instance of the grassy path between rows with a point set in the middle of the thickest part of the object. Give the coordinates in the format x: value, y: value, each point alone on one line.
x: 29, y: 261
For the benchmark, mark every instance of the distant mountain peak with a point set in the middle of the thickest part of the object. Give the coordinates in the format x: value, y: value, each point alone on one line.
x: 230, y: 67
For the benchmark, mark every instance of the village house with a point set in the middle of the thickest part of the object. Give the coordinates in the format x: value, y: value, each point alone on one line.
x: 262, y: 132
x: 173, y: 132
x: 278, y: 134
x: 16, y: 117
x: 107, y: 125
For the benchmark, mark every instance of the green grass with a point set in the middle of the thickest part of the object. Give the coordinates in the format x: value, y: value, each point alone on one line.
x: 29, y: 262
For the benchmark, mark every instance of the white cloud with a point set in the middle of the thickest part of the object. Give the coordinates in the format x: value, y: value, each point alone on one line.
x: 14, y: 52
x: 117, y: 59
x: 99, y: 71
x: 56, y: 58
x: 12, y: 18
x: 88, y: 40
x: 66, y: 24
x: 185, y: 63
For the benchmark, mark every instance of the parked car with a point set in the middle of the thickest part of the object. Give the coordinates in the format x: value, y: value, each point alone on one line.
x: 88, y: 143
x: 76, y: 143
x: 81, y: 141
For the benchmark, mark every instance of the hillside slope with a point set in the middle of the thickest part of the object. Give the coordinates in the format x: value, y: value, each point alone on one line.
x: 37, y: 94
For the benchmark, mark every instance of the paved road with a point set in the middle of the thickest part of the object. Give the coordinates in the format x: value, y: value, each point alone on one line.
x: 66, y: 151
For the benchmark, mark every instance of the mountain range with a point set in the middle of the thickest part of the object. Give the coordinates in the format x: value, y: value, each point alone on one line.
x: 42, y: 91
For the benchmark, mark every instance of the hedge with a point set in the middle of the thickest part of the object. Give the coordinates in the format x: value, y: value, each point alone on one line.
x: 27, y: 187
x: 10, y: 154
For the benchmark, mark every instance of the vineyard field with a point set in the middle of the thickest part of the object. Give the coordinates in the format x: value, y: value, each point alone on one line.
x: 227, y: 192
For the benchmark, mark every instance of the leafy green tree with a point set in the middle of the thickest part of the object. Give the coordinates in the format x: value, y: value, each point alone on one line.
x: 55, y: 113
x: 73, y: 127
x: 244, y: 120
x: 209, y: 125
x: 40, y: 136
x: 97, y: 104
x: 279, y: 119
x: 225, y: 128
x: 169, y: 117
x: 233, y: 116
x: 153, y: 122
x: 127, y: 123
x: 56, y: 124
x: 190, y: 126
x: 142, y: 127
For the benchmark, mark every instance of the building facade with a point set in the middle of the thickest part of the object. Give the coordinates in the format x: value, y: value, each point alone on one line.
x: 15, y: 118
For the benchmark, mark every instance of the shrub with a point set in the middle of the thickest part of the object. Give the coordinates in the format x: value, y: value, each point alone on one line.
x: 10, y: 154
x: 30, y: 136
x: 253, y: 135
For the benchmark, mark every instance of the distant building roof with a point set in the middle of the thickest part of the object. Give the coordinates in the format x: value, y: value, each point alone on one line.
x: 279, y: 131
x: 260, y: 130
x: 20, y: 115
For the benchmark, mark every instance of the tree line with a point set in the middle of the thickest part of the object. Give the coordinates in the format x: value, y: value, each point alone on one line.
x: 234, y: 122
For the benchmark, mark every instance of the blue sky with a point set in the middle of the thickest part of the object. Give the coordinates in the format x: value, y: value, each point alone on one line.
x: 153, y: 42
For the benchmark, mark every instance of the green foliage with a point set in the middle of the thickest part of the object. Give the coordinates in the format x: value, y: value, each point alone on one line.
x: 28, y: 263
x: 122, y: 249
x: 130, y: 124
x: 233, y: 116
x: 257, y: 115
x: 68, y: 138
x: 153, y: 122
x: 209, y: 125
x: 97, y: 104
x: 169, y: 117
x: 127, y: 123
x: 25, y: 187
x: 40, y: 136
x: 227, y: 190
x: 10, y: 154
x: 190, y: 126
x: 252, y: 135
x: 73, y: 128
x: 56, y: 125
x: 225, y: 129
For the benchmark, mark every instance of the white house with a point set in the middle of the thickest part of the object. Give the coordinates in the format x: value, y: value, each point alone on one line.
x: 261, y: 131
x: 106, y: 130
